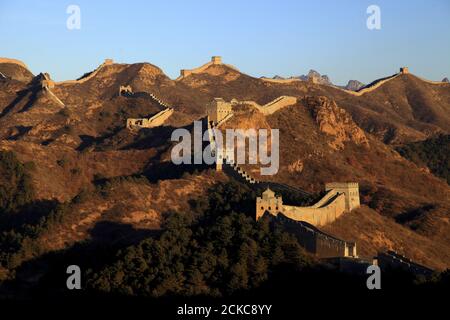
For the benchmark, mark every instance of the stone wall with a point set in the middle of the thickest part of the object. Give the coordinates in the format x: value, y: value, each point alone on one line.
x: 218, y: 110
x: 372, y: 87
x: 215, y: 60
x: 272, y: 106
x: 107, y: 62
x: 351, y: 191
x: 53, y: 96
x: 278, y: 103
x: 315, y: 241
x: 154, y: 121
x: 47, y: 84
x: 393, y: 260
x: 340, y: 198
x: 318, y: 216
x: 281, y: 81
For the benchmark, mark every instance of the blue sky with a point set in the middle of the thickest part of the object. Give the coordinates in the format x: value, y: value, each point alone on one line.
x: 283, y: 37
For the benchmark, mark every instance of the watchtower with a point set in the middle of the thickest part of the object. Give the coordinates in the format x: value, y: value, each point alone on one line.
x: 216, y: 60
x: 268, y: 202
x: 351, y: 191
x: 218, y: 109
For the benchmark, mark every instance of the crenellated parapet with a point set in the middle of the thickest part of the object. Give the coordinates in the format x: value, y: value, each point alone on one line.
x: 215, y: 60
x: 270, y: 107
x: 340, y: 198
x: 156, y: 120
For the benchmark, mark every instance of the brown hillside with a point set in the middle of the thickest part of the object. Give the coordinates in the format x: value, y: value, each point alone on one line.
x: 373, y: 233
x: 16, y: 71
x: 403, y: 109
x: 329, y: 135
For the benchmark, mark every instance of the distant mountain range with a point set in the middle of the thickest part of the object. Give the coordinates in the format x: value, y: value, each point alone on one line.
x: 352, y: 85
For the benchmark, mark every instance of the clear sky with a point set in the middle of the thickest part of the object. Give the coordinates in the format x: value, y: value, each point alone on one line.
x: 279, y: 37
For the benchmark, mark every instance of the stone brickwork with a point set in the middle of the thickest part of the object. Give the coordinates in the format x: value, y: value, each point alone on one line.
x: 47, y: 84
x: 155, y: 121
x: 340, y: 198
x: 270, y: 107
x: 268, y: 203
x: 218, y: 110
x: 316, y: 241
x: 349, y: 189
x: 393, y: 260
x: 215, y: 60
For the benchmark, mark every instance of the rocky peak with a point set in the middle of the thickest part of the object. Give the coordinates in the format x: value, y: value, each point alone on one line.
x: 313, y: 74
x: 335, y: 122
x: 354, y: 85
x: 445, y: 80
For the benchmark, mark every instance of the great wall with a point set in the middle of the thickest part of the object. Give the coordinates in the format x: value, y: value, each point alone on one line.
x: 154, y: 121
x: 47, y: 84
x: 107, y: 62
x: 303, y: 222
x: 300, y: 221
x: 270, y: 107
x: 215, y: 60
x: 340, y: 198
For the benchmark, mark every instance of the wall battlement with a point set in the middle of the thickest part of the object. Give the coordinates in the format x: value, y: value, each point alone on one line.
x: 316, y: 241
x: 340, y: 198
x: 155, y: 121
x: 392, y: 259
x: 218, y: 110
x: 187, y: 72
x: 215, y: 60
x: 270, y: 107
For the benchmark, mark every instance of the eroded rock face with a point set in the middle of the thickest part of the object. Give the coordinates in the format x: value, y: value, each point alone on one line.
x: 335, y: 122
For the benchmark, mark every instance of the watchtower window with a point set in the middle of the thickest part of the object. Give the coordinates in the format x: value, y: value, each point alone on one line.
x: 270, y: 208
